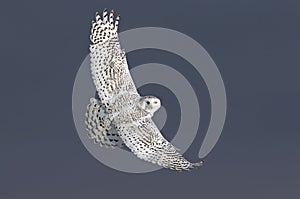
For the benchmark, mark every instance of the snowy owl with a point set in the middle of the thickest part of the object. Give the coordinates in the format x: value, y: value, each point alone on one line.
x: 122, y: 116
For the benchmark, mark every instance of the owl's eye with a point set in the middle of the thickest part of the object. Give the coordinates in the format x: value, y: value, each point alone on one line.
x: 147, y: 102
x: 155, y: 102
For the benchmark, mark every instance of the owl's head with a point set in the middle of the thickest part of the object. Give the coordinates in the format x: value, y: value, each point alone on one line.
x: 149, y: 103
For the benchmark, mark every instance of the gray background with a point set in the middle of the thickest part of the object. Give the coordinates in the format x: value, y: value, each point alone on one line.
x: 255, y: 45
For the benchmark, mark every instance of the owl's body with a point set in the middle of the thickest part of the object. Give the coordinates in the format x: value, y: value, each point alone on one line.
x: 122, y: 116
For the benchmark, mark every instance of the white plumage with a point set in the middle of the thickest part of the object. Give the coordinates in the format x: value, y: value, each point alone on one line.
x: 122, y: 116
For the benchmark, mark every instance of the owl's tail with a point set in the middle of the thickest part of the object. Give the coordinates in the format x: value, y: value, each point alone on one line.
x: 105, y: 28
x: 99, y: 127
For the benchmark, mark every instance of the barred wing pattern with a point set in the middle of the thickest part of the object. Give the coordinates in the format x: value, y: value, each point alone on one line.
x: 109, y: 67
x: 146, y: 142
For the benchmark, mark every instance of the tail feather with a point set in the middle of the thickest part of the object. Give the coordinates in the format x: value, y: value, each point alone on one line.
x: 99, y: 125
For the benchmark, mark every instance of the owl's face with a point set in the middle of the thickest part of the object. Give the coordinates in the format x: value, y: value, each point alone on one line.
x: 150, y: 104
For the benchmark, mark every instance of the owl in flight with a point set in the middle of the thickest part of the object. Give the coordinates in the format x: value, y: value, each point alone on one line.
x: 122, y: 116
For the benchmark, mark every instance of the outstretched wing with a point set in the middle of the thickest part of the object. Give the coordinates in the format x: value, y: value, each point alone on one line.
x: 109, y: 67
x: 146, y: 142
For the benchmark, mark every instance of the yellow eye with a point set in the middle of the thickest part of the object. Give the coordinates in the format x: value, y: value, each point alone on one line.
x: 155, y: 102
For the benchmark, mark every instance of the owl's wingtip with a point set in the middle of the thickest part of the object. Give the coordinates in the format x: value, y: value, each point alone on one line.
x: 198, y: 164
